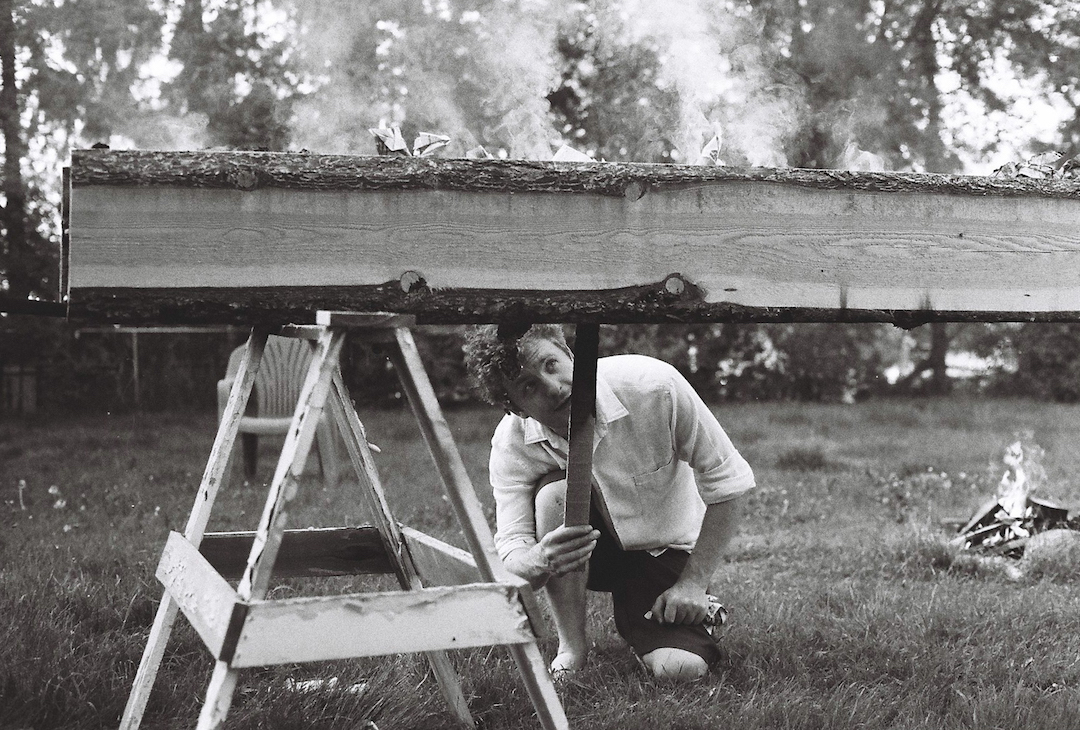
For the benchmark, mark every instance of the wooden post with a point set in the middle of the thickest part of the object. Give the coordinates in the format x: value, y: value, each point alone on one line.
x: 256, y: 578
x: 135, y: 369
x: 582, y: 425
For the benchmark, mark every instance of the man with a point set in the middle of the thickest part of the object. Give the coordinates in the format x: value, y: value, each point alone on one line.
x: 664, y: 507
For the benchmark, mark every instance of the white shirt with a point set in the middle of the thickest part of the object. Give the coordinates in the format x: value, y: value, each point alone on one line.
x: 659, y: 456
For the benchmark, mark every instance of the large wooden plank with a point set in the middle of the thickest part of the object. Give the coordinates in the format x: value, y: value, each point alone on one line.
x: 374, y: 624
x: 278, y: 237
x: 204, y: 597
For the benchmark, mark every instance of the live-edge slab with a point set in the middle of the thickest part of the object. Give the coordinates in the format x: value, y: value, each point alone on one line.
x: 248, y: 237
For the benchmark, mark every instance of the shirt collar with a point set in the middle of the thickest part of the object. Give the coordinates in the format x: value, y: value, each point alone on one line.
x: 608, y: 409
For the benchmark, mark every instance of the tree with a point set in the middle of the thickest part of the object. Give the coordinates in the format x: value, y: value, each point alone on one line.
x: 68, y: 69
x: 1049, y: 361
x: 16, y: 249
x: 896, y: 76
x: 234, y: 75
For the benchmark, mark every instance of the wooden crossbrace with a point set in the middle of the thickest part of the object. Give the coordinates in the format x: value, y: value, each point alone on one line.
x: 243, y: 629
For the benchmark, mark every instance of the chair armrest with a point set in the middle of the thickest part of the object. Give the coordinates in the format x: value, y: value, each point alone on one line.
x: 223, y: 388
x: 265, y: 426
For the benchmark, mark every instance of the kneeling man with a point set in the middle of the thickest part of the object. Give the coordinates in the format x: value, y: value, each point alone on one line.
x: 666, y: 486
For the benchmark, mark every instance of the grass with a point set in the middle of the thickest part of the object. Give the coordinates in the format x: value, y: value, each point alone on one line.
x: 850, y: 608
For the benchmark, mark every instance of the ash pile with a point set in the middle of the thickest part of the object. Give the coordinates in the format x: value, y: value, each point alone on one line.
x: 1006, y: 525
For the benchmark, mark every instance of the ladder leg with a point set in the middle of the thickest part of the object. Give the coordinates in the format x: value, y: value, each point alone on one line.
x: 283, y: 488
x: 256, y: 579
x: 349, y: 425
x: 218, y: 697
x: 534, y: 673
x: 212, y: 481
x: 459, y: 490
x: 151, y: 660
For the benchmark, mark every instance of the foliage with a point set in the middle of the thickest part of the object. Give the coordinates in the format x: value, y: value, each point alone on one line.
x: 934, y: 58
x: 234, y: 75
x: 816, y: 362
x: 1049, y: 361
x: 810, y: 83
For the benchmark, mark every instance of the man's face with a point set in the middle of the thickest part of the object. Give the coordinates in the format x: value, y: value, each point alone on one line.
x: 542, y: 390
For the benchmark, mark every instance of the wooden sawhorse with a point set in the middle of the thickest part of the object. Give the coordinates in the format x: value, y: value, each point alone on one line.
x: 485, y: 604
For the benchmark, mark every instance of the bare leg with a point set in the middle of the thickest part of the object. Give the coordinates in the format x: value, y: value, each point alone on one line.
x: 566, y: 593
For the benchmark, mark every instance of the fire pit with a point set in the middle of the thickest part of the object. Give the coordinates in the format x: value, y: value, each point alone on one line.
x: 1005, y: 525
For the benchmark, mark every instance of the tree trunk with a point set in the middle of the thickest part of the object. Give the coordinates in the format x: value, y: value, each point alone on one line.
x: 935, y: 361
x: 14, y: 264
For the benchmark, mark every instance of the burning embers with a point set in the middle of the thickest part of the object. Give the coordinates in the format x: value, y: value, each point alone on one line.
x: 1005, y: 525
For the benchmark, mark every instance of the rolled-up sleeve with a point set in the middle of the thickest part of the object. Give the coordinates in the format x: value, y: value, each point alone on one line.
x: 514, y: 470
x: 720, y: 471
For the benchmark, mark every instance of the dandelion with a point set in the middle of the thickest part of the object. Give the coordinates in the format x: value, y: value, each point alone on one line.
x: 54, y: 490
x: 60, y: 503
x: 67, y: 528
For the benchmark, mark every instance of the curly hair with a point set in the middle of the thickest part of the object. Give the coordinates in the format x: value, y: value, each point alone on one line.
x: 492, y: 356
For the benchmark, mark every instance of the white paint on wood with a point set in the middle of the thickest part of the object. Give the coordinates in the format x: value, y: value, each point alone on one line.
x: 203, y: 596
x: 375, y: 624
x: 744, y: 242
x: 219, y: 695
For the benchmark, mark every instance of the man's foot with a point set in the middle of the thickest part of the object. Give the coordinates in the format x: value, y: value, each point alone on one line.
x: 567, y: 662
x: 677, y: 664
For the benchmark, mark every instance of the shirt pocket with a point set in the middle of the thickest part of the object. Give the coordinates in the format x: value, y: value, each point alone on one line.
x: 659, y: 478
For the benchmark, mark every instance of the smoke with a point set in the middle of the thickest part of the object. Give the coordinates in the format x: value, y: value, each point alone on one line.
x: 709, y: 54
x: 161, y: 131
x: 477, y: 71
x: 480, y: 71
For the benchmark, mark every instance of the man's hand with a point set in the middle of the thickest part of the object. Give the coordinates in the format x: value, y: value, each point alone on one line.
x: 564, y: 549
x: 687, y: 602
x: 683, y: 603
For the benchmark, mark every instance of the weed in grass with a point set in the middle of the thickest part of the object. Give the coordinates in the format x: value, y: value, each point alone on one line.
x: 802, y: 458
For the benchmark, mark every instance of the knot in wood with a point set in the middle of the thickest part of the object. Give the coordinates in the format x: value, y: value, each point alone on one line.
x: 675, y: 285
x: 244, y: 178
x: 411, y: 281
x: 634, y: 190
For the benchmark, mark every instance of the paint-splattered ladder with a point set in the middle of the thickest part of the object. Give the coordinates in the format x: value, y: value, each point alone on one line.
x: 475, y: 601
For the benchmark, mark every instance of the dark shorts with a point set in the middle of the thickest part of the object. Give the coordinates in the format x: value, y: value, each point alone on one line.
x: 634, y: 578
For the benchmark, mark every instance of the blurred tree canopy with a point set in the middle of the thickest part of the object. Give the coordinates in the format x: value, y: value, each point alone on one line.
x: 936, y: 85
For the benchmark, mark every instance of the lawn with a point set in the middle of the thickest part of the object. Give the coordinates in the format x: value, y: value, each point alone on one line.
x: 849, y: 606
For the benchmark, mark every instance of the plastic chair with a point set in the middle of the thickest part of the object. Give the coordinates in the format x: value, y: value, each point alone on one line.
x: 273, y: 399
